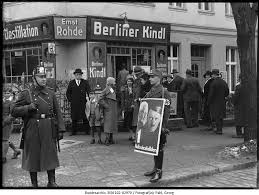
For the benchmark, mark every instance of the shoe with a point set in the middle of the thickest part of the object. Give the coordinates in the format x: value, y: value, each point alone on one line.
x: 52, y: 185
x: 16, y: 154
x: 156, y: 176
x: 100, y: 141
x: 92, y: 141
x: 150, y: 173
x: 237, y: 136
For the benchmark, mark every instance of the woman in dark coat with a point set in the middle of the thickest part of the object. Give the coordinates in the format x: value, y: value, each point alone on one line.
x: 43, y: 127
x: 108, y: 102
x: 238, y: 107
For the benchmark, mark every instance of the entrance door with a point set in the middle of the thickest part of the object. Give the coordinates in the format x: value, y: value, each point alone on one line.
x: 198, y: 69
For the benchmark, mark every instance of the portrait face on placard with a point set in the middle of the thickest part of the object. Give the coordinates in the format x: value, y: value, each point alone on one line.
x: 44, y: 28
x: 161, y: 55
x: 143, y: 112
x: 154, y: 117
x: 97, y: 53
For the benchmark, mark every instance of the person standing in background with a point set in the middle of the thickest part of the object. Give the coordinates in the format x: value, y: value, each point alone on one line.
x: 217, y: 100
x: 192, y: 92
x: 77, y: 91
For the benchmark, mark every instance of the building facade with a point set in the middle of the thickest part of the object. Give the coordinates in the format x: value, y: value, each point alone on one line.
x: 64, y: 36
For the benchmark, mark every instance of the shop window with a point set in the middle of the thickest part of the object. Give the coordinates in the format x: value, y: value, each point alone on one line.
x: 141, y: 57
x: 231, y: 67
x: 173, y: 57
x: 195, y: 70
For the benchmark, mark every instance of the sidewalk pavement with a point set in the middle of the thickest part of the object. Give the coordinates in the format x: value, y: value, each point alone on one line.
x: 189, y: 153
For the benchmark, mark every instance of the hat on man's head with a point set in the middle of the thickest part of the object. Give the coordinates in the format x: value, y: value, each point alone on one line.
x: 110, y: 80
x: 174, y: 71
x: 145, y: 76
x: 189, y: 72
x: 130, y: 78
x: 137, y: 69
x: 207, y: 73
x: 40, y: 70
x: 169, y: 75
x: 215, y: 72
x: 78, y: 70
x: 156, y: 72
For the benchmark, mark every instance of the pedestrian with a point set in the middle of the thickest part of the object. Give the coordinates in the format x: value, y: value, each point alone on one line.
x: 108, y: 103
x: 164, y: 81
x: 137, y: 92
x: 7, y: 125
x: 145, y: 85
x: 77, y: 93
x: 192, y: 92
x: 43, y: 128
x: 128, y: 106
x: 157, y: 91
x: 239, y: 105
x: 205, y: 107
x: 174, y: 85
x: 95, y: 118
x: 217, y: 100
x: 130, y: 75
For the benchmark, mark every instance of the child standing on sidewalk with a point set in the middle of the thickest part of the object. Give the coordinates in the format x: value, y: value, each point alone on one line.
x: 95, y: 117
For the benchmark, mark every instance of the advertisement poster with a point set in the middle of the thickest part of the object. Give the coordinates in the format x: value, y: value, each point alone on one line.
x: 161, y: 59
x: 149, y: 125
x: 97, y: 72
x: 173, y: 105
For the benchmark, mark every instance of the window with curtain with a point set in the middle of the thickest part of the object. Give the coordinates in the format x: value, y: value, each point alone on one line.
x: 231, y: 67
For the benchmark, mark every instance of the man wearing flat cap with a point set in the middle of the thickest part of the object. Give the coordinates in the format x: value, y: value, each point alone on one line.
x: 192, y: 93
x: 77, y: 94
x: 217, y: 100
x: 157, y: 91
x: 174, y: 85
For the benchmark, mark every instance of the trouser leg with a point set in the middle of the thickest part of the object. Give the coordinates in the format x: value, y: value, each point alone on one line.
x: 51, y: 178
x: 219, y: 124
x: 74, y: 127
x: 187, y: 112
x: 159, y: 160
x: 34, y: 179
x: 92, y: 131
x: 194, y: 111
x: 99, y: 131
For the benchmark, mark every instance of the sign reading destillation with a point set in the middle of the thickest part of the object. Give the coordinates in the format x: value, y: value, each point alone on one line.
x: 110, y: 29
x: 70, y: 28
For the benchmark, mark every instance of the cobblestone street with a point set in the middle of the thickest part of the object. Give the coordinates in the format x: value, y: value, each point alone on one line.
x: 245, y: 178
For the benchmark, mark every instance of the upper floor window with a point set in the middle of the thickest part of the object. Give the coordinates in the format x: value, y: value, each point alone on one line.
x: 173, y: 57
x: 228, y: 9
x: 177, y: 5
x: 205, y: 6
x: 231, y: 67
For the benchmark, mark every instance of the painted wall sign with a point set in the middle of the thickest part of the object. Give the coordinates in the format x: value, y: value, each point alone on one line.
x: 70, y: 28
x: 34, y: 30
x: 111, y: 29
x: 97, y: 72
x: 161, y: 59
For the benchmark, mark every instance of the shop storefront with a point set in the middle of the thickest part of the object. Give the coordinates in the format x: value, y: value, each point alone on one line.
x: 22, y: 50
x: 142, y: 44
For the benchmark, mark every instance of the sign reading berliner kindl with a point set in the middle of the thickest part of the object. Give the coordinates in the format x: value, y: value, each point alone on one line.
x: 70, y: 28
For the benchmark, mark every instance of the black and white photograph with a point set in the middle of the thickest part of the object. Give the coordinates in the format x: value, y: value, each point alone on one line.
x: 129, y: 95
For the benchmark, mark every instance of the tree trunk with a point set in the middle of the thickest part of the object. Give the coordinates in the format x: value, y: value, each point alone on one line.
x: 245, y: 19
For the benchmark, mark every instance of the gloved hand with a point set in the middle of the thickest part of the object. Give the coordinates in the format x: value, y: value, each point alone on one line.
x: 165, y: 131
x: 32, y: 107
x: 60, y: 136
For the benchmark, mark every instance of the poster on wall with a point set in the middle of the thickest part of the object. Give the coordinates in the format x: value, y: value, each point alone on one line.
x: 173, y: 105
x: 149, y: 125
x: 161, y: 59
x: 96, y: 70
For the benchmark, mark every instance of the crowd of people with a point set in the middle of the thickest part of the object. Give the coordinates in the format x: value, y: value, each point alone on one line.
x: 44, y: 126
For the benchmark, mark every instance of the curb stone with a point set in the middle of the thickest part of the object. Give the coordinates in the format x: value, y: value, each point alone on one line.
x: 177, y: 177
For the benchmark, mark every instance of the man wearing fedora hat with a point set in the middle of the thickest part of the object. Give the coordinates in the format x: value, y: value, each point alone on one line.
x: 217, y: 100
x: 77, y: 93
x: 174, y: 85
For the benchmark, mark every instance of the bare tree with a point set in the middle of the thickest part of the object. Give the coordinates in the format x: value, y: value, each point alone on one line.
x: 245, y: 16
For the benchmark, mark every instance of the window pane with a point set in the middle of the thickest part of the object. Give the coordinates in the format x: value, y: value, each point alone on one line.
x: 175, y: 64
x: 168, y: 51
x: 7, y: 64
x: 233, y: 55
x: 32, y: 63
x: 227, y: 69
x: 206, y: 6
x: 29, y: 52
x: 199, y: 5
x: 227, y: 55
x: 233, y: 77
x: 18, y: 63
x: 175, y: 48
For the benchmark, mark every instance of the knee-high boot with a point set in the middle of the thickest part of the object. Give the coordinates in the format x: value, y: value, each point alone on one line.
x: 92, y: 133
x: 34, y: 179
x: 51, y: 179
x: 152, y: 172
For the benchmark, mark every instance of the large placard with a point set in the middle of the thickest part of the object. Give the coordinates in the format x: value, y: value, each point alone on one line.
x: 149, y: 125
x: 97, y: 71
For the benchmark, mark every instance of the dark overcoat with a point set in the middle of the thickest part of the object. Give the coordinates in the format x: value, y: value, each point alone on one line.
x: 127, y: 100
x: 76, y: 95
x: 108, y: 102
x: 216, y: 99
x: 137, y: 93
x: 156, y: 92
x: 239, y: 105
x: 40, y: 149
x: 191, y: 89
x: 206, y: 109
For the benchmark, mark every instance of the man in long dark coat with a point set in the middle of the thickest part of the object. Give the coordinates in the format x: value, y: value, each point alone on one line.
x: 174, y: 85
x: 43, y: 127
x: 217, y: 100
x: 191, y: 95
x: 77, y: 93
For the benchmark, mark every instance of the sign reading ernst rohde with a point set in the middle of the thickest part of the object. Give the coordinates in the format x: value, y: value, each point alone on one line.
x: 70, y: 28
x: 109, y: 29
x: 149, y: 125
